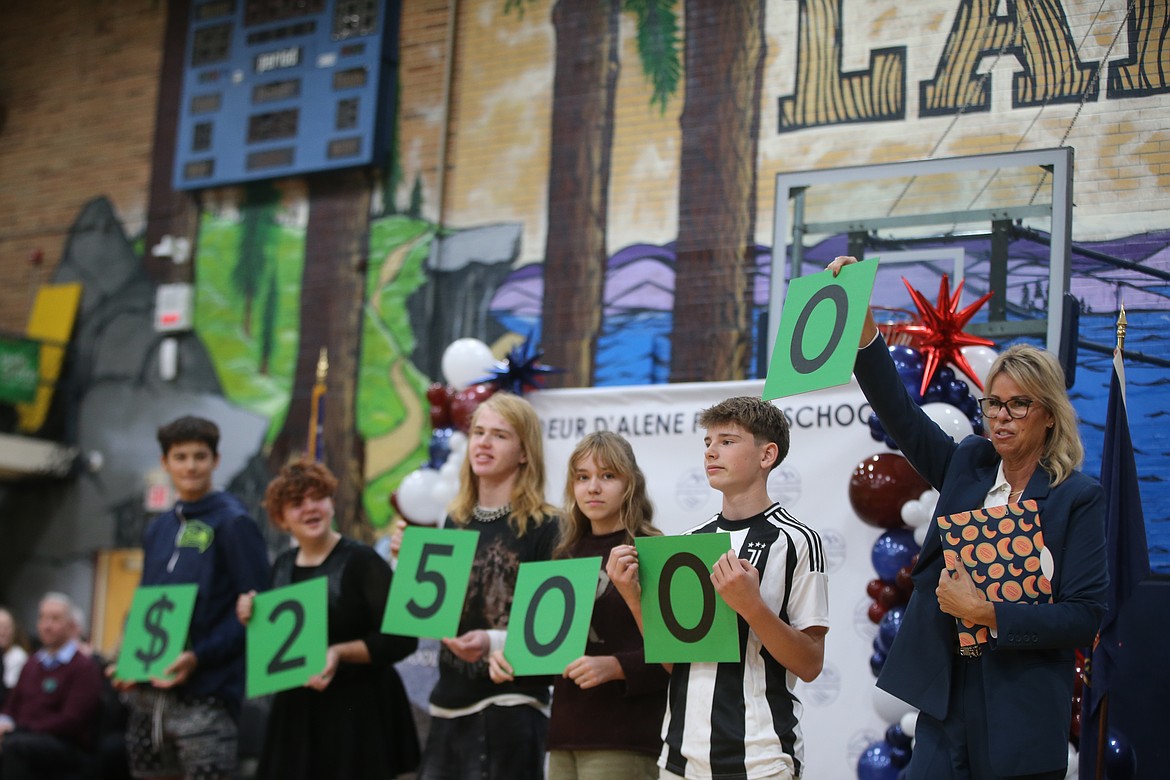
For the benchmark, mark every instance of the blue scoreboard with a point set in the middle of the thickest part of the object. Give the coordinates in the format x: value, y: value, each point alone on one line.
x: 277, y: 88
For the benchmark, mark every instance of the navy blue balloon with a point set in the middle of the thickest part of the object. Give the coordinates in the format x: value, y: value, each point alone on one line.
x: 876, y: 662
x: 893, y: 550
x: 897, y: 738
x: 955, y: 392
x: 935, y: 392
x: 440, y: 447
x: 1120, y: 758
x: 909, y: 363
x: 888, y: 627
x: 900, y: 757
x: 877, y: 763
x: 878, y: 433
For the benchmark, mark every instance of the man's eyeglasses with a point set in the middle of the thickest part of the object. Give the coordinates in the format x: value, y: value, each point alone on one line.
x: 1016, y: 407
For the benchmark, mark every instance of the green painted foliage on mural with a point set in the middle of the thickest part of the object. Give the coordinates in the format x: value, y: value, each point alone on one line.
x: 392, y: 410
x: 237, y: 356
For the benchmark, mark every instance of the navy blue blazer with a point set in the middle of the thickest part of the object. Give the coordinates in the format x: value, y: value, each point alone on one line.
x: 1029, y: 669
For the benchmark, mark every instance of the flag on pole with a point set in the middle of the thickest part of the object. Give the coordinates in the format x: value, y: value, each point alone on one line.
x: 316, y: 448
x: 1129, y: 564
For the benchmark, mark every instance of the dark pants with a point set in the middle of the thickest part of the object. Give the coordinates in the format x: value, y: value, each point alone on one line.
x: 25, y: 755
x: 498, y: 743
x: 958, y: 748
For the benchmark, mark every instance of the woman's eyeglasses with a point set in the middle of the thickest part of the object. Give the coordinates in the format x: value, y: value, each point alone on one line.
x: 1016, y: 407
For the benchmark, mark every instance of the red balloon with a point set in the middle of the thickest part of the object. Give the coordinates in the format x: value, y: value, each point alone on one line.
x: 874, y: 587
x: 879, y: 486
x: 440, y: 399
x: 889, y: 597
x: 876, y: 612
x: 465, y: 402
x: 904, y: 582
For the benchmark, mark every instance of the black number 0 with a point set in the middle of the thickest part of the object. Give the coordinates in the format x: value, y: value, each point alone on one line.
x: 433, y: 577
x: 686, y: 560
x: 279, y: 663
x: 805, y: 365
x: 534, y: 645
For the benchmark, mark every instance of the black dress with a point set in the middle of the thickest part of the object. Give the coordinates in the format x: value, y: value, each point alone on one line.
x: 361, y: 725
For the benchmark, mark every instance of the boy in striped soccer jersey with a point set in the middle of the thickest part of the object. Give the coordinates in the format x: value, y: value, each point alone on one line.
x: 742, y: 720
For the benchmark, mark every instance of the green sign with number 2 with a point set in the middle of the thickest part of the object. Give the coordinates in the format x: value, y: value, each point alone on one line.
x: 287, y: 637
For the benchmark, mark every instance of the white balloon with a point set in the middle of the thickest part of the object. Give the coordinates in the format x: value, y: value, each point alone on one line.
x: 414, y: 496
x: 458, y: 442
x: 466, y: 360
x: 1074, y: 763
x: 929, y: 498
x: 920, y: 533
x: 889, y: 707
x: 909, y: 513
x: 980, y: 359
x: 950, y: 419
x: 443, y: 493
x: 449, y: 471
x: 909, y: 723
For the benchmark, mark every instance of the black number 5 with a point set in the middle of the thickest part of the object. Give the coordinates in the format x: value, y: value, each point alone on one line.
x: 433, y: 577
x: 279, y: 663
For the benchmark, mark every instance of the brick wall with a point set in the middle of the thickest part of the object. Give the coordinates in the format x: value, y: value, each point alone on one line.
x: 78, y: 82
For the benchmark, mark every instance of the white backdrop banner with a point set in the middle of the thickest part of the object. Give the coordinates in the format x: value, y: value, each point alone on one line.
x: 844, y: 712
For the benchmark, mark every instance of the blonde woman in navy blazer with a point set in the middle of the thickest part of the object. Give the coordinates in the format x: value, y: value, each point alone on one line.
x: 1006, y: 711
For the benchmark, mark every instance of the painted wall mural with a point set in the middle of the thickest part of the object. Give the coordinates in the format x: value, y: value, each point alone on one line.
x: 609, y: 191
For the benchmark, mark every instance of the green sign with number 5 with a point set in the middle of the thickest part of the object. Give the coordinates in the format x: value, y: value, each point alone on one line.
x: 430, y: 582
x: 287, y: 637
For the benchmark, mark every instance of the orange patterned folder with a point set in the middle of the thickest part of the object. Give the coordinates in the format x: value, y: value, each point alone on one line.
x: 1003, y: 550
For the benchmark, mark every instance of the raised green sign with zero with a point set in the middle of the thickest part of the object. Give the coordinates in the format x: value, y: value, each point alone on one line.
x: 816, y: 343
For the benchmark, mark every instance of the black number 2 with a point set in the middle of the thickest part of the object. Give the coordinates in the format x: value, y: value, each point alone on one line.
x: 433, y: 577
x: 279, y: 663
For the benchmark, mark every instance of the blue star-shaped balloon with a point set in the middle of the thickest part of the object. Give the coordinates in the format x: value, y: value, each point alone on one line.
x: 520, y: 370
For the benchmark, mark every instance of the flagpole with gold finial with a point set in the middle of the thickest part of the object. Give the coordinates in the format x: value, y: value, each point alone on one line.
x: 317, y: 409
x: 1121, y: 329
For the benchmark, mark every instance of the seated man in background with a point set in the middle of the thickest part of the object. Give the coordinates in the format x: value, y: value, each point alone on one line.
x: 46, y: 726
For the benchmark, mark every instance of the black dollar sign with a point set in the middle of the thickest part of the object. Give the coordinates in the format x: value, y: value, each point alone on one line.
x: 158, y: 636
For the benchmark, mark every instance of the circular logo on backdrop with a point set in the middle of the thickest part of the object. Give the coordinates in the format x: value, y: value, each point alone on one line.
x: 835, y: 548
x: 692, y: 490
x: 784, y: 485
x: 861, y: 623
x: 824, y: 690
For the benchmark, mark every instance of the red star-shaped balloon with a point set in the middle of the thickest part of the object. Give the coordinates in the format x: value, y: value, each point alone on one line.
x: 940, y: 337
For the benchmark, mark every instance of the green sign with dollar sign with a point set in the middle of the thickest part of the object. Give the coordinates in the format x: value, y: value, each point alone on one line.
x: 156, y: 630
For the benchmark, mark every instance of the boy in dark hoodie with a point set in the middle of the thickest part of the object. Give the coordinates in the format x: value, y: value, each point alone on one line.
x: 184, y: 722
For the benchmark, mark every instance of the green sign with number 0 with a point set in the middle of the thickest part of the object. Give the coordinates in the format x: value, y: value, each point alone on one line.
x: 685, y: 620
